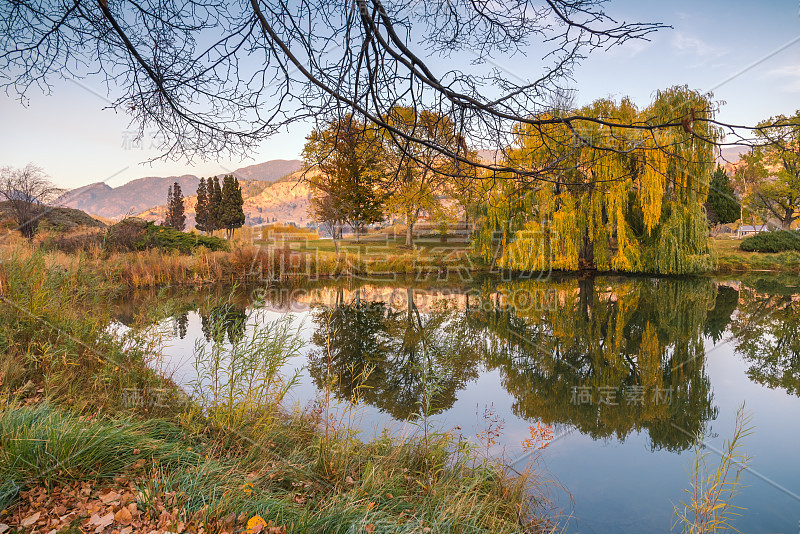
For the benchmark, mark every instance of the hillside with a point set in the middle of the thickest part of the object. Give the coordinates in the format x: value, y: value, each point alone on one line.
x: 141, y: 194
x: 127, y: 199
x: 56, y: 218
x: 285, y: 201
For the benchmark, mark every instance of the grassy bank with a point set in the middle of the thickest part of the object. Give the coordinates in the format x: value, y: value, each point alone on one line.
x: 91, y: 438
x: 730, y: 258
x: 264, y: 257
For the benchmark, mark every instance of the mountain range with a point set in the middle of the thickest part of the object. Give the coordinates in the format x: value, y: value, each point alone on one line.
x: 282, y: 201
x: 140, y: 195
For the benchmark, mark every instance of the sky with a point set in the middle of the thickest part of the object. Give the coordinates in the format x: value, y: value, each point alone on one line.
x: 747, y: 53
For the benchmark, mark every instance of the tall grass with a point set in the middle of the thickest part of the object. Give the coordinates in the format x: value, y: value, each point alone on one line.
x: 714, y: 485
x: 239, y: 382
x: 71, y: 423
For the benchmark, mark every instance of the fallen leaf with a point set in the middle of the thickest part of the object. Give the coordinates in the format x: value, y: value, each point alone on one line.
x: 255, y: 525
x: 101, y: 522
x: 370, y: 528
x: 109, y: 497
x: 349, y: 480
x: 30, y: 520
x: 123, y: 516
x: 3, y: 528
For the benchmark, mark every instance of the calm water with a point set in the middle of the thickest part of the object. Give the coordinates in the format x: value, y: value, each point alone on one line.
x: 627, y: 370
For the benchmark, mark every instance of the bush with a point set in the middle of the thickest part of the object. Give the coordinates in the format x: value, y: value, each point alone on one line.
x: 778, y: 241
x: 136, y: 234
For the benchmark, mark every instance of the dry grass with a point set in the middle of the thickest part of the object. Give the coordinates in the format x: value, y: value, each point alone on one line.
x: 62, y: 392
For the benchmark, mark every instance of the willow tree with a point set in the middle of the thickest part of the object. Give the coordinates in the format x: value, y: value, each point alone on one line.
x: 612, y: 198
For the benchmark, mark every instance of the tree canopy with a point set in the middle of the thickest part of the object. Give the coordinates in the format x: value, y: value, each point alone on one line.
x: 775, y: 165
x: 176, y: 218
x: 722, y: 206
x: 347, y: 157
x: 634, y: 210
x: 27, y: 191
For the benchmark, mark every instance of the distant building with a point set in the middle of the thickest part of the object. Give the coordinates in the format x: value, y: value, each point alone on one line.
x: 748, y: 229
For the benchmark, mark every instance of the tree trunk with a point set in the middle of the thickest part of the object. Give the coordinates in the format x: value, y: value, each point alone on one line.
x: 409, y: 231
x: 786, y: 222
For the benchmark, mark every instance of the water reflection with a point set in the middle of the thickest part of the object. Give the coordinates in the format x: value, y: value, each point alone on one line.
x: 767, y: 333
x: 608, y: 356
x: 634, y: 363
x: 390, y: 356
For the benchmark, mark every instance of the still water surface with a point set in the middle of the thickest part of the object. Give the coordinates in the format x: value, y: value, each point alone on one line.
x: 626, y: 370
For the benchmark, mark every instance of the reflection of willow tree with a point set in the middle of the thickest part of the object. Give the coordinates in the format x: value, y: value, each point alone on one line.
x: 389, y: 354
x: 636, y: 337
x: 767, y: 332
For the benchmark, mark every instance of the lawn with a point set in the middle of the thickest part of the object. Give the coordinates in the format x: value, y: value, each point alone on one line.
x: 731, y: 258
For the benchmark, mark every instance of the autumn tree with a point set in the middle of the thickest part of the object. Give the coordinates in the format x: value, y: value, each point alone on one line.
x: 775, y: 164
x: 722, y: 206
x: 175, y: 218
x: 346, y: 156
x: 27, y: 192
x: 418, y: 177
x: 231, y: 208
x: 201, y: 218
x: 324, y: 208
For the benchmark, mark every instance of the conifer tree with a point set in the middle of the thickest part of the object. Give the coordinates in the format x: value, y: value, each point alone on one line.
x: 214, y: 204
x: 231, y: 212
x: 176, y: 218
x: 201, y: 207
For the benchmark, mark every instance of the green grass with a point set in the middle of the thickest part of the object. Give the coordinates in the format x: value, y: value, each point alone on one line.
x: 730, y: 258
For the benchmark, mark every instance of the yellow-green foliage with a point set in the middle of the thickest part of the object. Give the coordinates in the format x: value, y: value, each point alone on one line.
x: 611, y: 198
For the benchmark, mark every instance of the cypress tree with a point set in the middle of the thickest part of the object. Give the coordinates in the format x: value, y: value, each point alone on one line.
x: 214, y: 204
x: 168, y: 216
x: 722, y: 206
x: 232, y: 212
x: 201, y: 209
x: 176, y: 218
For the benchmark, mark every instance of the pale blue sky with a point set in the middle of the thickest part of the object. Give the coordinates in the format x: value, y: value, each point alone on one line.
x: 77, y: 142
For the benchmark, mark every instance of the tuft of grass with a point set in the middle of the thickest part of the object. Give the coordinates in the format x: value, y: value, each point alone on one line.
x: 710, y: 508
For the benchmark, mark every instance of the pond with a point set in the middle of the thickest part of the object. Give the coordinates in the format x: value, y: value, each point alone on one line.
x: 625, y: 371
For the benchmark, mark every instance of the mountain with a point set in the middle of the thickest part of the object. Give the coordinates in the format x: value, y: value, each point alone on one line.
x: 127, y: 199
x: 284, y: 201
x: 269, y: 171
x: 141, y: 194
